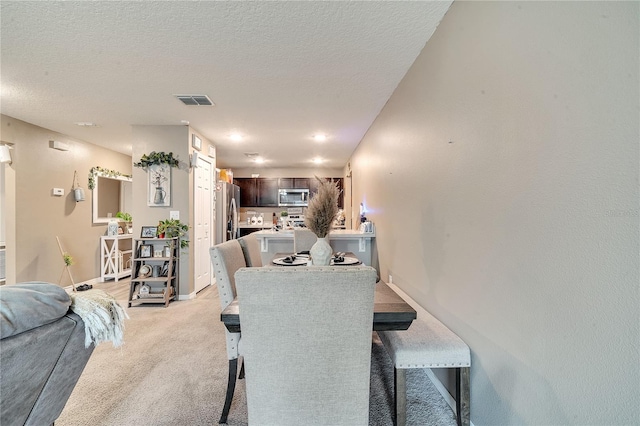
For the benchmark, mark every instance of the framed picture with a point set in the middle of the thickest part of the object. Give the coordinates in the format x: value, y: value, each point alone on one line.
x: 196, y: 142
x: 149, y: 232
x: 159, y: 191
x: 157, y: 252
x: 212, y: 151
x: 146, y: 250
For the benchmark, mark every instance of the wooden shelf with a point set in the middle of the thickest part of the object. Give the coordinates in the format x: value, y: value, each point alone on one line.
x: 168, y: 283
x: 153, y: 279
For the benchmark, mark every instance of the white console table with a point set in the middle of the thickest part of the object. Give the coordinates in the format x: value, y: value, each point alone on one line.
x: 115, y: 257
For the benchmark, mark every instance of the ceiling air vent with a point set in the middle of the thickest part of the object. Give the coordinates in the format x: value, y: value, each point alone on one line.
x: 198, y: 100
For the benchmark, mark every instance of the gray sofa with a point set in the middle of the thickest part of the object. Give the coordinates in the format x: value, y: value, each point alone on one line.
x: 42, y: 353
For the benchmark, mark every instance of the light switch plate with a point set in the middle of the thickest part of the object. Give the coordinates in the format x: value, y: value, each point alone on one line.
x: 174, y: 214
x: 57, y: 192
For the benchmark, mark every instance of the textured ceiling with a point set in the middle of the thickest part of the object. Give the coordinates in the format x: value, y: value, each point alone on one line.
x: 277, y: 71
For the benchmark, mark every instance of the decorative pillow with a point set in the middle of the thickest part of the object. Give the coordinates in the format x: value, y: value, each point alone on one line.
x: 28, y: 305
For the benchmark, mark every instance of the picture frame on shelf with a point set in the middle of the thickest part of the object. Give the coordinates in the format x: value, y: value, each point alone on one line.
x: 146, y: 250
x: 196, y: 142
x: 149, y: 232
x: 157, y: 253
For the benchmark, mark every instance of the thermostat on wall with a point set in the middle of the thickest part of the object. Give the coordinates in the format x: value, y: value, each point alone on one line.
x: 59, y: 192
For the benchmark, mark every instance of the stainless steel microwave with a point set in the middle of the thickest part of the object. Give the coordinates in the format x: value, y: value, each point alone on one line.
x: 293, y: 197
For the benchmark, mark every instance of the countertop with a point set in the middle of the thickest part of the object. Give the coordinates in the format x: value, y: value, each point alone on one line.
x: 255, y: 225
x: 333, y: 235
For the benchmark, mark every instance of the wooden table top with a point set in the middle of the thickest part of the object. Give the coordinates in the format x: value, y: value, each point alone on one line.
x: 390, y: 311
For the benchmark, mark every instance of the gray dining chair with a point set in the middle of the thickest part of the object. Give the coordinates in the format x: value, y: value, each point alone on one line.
x: 306, y: 335
x: 226, y: 259
x: 303, y: 239
x: 251, y: 249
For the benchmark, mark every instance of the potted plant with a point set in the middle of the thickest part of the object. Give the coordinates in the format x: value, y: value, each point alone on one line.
x: 170, y: 228
x: 321, y: 212
x: 127, y: 219
x: 283, y: 218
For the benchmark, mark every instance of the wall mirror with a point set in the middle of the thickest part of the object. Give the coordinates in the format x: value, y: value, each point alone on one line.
x: 112, y: 193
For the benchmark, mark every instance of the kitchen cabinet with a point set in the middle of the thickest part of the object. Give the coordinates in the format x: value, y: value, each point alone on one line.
x: 293, y: 183
x: 248, y: 192
x: 258, y: 192
x: 267, y: 192
x: 263, y: 192
x: 154, y: 277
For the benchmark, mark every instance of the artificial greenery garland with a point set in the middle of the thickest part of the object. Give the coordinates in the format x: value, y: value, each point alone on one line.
x: 157, y: 158
x: 103, y: 172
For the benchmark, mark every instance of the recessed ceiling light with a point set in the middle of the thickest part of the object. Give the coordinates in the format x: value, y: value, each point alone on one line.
x: 319, y: 137
x: 317, y: 160
x: 86, y: 124
x: 235, y: 137
x: 259, y: 160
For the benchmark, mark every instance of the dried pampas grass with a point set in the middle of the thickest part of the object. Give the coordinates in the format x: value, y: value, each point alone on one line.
x: 323, y: 208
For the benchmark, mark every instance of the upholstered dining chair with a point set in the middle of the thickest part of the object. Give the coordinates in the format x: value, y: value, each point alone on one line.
x: 251, y: 249
x: 303, y: 239
x: 306, y: 335
x: 227, y: 258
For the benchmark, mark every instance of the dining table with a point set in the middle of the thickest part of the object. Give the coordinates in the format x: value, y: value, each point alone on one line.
x: 390, y: 311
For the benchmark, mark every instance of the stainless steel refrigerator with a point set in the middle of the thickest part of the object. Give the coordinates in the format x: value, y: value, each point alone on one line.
x: 227, y: 212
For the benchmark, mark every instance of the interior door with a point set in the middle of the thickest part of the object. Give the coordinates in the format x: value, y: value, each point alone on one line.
x: 203, y: 207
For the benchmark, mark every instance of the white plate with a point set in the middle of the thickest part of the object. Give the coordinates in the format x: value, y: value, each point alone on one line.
x: 348, y: 261
x: 298, y: 261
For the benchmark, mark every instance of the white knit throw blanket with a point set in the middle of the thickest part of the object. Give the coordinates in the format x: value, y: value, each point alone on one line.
x: 102, y: 315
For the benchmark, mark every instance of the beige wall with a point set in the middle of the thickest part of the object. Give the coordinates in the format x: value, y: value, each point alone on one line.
x: 502, y: 177
x: 174, y: 139
x: 36, y: 217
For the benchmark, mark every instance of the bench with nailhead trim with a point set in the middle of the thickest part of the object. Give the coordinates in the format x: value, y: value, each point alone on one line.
x: 427, y: 343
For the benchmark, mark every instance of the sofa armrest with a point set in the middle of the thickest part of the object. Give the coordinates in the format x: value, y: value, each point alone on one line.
x: 63, y: 378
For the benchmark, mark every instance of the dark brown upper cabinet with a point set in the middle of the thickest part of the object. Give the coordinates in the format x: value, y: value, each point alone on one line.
x: 293, y: 183
x: 258, y: 192
x: 263, y: 192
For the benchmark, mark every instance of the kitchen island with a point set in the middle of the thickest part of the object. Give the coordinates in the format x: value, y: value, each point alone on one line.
x: 346, y: 240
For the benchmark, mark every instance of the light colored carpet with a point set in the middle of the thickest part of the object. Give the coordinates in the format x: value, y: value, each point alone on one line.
x: 172, y: 370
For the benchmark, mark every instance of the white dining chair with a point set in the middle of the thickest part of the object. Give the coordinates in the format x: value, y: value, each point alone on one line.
x: 226, y: 259
x: 306, y: 335
x: 251, y: 249
x: 303, y: 240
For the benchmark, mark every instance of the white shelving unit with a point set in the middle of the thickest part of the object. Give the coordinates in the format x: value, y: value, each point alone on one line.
x: 115, y: 257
